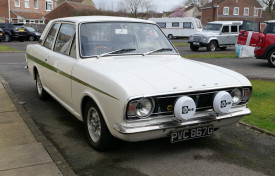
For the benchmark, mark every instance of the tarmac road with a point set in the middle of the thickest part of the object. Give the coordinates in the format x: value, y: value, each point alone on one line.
x: 232, y: 150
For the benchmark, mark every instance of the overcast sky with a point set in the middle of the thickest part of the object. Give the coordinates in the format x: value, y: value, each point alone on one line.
x: 162, y: 5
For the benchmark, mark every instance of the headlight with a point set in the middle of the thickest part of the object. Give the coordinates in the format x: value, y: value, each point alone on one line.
x: 140, y: 108
x: 236, y: 96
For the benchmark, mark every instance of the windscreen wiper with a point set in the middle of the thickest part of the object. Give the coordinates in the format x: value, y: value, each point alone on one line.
x: 158, y: 50
x: 119, y: 51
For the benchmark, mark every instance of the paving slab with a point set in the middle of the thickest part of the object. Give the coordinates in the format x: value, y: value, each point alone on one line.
x: 5, y: 101
x: 23, y: 156
x: 16, y: 133
x: 10, y: 117
x: 39, y: 170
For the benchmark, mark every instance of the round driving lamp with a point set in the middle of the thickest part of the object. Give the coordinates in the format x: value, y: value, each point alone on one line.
x: 236, y: 96
x: 144, y: 107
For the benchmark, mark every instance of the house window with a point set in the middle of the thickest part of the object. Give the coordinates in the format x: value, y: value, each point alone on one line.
x: 246, y: 11
x: 236, y: 11
x: 49, y: 5
x: 175, y: 24
x: 17, y: 3
x: 27, y: 3
x: 226, y: 11
x: 256, y: 12
x: 35, y: 4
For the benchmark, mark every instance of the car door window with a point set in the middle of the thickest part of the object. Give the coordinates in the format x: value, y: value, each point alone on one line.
x: 64, y: 38
x: 50, y: 38
x: 234, y: 29
x: 225, y: 29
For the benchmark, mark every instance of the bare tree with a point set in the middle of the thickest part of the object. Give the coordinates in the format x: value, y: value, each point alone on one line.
x: 138, y: 8
x: 270, y: 7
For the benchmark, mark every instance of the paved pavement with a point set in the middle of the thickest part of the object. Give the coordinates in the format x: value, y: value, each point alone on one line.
x: 21, y: 152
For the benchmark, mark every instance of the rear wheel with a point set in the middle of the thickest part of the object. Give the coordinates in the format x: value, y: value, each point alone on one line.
x: 42, y: 94
x: 96, y: 129
x: 212, y: 46
x: 170, y: 36
x: 194, y: 47
x: 31, y: 38
x: 271, y: 58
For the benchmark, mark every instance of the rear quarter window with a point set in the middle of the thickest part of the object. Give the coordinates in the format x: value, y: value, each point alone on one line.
x: 270, y: 28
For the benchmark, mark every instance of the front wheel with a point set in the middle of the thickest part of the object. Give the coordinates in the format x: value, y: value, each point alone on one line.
x: 212, y: 46
x: 7, y: 38
x: 41, y: 93
x: 194, y: 47
x: 31, y: 38
x: 271, y: 58
x: 96, y: 129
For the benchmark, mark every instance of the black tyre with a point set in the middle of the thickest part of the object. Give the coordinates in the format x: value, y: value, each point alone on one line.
x: 223, y: 48
x: 7, y: 38
x: 96, y: 129
x: 194, y: 47
x: 31, y: 38
x: 41, y: 93
x: 212, y: 46
x: 271, y: 58
x: 170, y: 36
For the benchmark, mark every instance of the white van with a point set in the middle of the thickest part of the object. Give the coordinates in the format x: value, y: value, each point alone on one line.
x: 178, y: 27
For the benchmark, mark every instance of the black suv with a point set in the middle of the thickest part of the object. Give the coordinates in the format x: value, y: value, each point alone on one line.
x: 13, y: 31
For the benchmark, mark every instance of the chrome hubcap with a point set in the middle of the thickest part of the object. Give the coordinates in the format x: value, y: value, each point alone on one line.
x: 39, y: 85
x: 212, y: 47
x: 94, y: 125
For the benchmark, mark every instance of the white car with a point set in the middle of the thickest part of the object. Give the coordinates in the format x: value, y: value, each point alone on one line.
x: 124, y: 79
x: 216, y: 34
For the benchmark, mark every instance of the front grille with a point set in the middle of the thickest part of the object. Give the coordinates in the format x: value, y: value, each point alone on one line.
x: 197, y: 38
x: 164, y: 105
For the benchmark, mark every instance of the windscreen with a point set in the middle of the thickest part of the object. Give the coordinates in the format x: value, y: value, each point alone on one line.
x: 135, y: 38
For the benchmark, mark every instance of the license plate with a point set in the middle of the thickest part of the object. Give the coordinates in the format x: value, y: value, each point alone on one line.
x: 182, y: 135
x: 21, y: 30
x: 196, y: 43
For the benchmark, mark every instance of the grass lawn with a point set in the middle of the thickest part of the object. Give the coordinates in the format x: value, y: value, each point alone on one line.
x: 211, y: 55
x: 7, y: 48
x: 181, y: 44
x: 262, y: 105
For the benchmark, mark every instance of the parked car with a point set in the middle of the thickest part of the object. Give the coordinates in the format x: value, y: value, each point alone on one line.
x: 217, y: 34
x: 13, y: 31
x: 2, y: 35
x: 32, y: 34
x: 178, y: 27
x: 266, y: 44
x: 124, y: 79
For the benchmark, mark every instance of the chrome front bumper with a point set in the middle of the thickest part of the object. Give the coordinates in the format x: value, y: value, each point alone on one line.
x: 212, y: 118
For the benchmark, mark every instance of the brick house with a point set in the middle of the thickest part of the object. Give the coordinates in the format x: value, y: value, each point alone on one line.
x: 25, y: 11
x: 231, y: 10
x: 70, y: 8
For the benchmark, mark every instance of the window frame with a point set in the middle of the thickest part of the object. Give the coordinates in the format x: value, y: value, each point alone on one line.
x: 57, y: 34
x: 15, y: 3
x: 34, y: 4
x: 237, y: 29
x: 246, y: 8
x: 224, y: 10
x: 27, y: 1
x: 238, y: 11
x: 228, y: 29
x: 257, y: 12
x: 44, y: 40
x: 48, y: 1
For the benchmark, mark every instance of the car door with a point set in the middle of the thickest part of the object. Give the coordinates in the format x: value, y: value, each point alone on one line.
x: 224, y: 38
x: 249, y: 33
x: 234, y: 33
x: 61, y: 60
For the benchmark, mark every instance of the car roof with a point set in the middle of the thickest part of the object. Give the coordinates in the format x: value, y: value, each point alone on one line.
x: 270, y: 21
x: 226, y: 22
x: 81, y: 19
